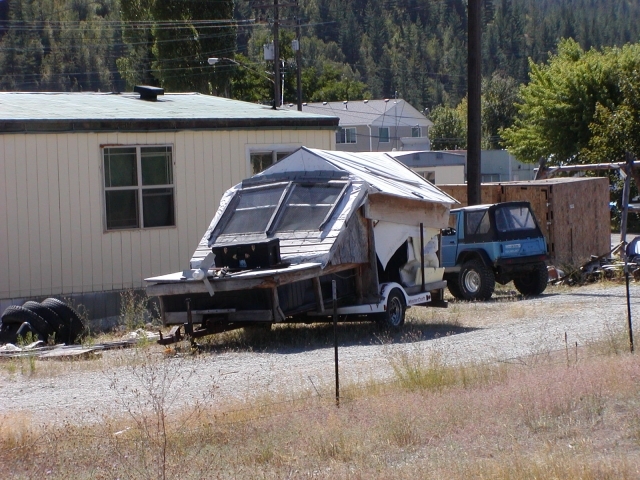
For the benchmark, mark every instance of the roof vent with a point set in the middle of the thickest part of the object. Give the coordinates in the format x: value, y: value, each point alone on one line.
x: 366, y: 101
x: 324, y: 103
x: 148, y: 93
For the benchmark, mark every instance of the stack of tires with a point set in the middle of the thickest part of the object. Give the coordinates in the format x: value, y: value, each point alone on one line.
x: 49, y: 320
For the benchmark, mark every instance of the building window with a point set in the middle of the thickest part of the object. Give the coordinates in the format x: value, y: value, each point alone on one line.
x: 261, y: 160
x: 346, y: 135
x: 429, y: 176
x: 138, y: 185
x: 416, y: 132
x: 383, y: 134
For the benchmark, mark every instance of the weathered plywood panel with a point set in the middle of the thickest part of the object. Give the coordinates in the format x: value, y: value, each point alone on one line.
x: 573, y: 213
x: 490, y: 192
x: 407, y: 212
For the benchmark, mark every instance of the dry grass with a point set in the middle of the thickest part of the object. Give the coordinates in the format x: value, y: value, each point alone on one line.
x: 547, y: 420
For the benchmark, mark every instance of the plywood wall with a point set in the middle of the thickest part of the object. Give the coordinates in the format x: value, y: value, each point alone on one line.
x: 52, y: 235
x: 573, y: 213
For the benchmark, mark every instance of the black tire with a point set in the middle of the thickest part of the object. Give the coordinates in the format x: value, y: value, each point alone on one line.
x: 454, y: 289
x: 8, y: 332
x: 476, y: 281
x: 393, y: 317
x: 60, y: 326
x: 534, y: 283
x: 15, y: 314
x: 68, y: 315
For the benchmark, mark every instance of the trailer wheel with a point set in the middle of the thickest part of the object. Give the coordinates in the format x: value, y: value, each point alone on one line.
x: 66, y: 314
x: 476, y: 281
x: 454, y: 289
x: 534, y: 283
x: 393, y: 317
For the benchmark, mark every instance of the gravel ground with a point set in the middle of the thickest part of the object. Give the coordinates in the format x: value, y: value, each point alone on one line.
x: 507, y: 328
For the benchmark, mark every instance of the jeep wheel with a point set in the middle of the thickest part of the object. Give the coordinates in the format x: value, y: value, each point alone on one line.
x: 476, y: 281
x: 393, y: 317
x: 534, y: 283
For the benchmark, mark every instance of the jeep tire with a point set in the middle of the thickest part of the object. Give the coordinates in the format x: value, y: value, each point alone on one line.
x: 535, y: 282
x: 475, y: 281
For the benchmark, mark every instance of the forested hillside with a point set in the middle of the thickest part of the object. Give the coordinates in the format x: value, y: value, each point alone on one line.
x: 413, y: 48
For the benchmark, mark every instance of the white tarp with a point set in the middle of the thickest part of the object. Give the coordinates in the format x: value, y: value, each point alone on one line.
x: 390, y: 236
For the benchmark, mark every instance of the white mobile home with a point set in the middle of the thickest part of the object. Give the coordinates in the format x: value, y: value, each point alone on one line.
x: 100, y: 190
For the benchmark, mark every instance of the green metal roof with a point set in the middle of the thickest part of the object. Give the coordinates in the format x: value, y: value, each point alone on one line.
x: 36, y: 112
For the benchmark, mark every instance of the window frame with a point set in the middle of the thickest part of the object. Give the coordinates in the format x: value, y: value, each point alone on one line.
x: 418, y: 129
x: 345, y: 134
x: 387, y: 136
x: 139, y: 188
x: 271, y: 228
x: 274, y: 150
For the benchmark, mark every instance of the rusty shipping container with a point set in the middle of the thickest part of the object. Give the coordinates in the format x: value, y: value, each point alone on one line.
x: 573, y: 212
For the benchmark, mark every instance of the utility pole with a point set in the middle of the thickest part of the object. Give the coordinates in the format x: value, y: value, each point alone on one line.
x: 276, y: 56
x: 298, y: 66
x: 277, y: 72
x: 474, y: 120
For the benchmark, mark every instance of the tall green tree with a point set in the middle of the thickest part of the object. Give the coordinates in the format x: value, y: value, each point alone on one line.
x: 576, y: 93
x: 449, y: 131
x: 185, y: 34
x: 499, y: 98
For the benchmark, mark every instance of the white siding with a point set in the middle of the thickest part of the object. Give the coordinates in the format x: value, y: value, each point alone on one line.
x: 52, y: 234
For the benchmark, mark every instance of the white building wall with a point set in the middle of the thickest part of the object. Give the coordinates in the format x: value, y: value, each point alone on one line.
x: 52, y: 231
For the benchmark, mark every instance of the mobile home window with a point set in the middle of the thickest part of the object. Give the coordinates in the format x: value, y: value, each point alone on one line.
x: 262, y: 160
x: 383, y: 134
x: 139, y: 188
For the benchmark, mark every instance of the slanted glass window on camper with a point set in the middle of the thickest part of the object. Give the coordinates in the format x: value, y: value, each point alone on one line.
x: 308, y: 206
x: 263, y: 210
x: 254, y: 210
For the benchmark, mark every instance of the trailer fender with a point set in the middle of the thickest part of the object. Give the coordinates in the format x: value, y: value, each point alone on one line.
x: 409, y: 300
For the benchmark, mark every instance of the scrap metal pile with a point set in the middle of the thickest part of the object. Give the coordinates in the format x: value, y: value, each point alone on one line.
x: 603, y: 267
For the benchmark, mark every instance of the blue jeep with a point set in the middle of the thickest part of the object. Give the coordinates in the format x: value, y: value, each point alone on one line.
x: 485, y: 244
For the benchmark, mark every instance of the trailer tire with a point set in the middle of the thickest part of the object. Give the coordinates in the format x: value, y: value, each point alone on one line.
x: 535, y: 283
x: 476, y: 281
x: 69, y: 315
x: 454, y: 289
x: 393, y: 317
x: 15, y: 314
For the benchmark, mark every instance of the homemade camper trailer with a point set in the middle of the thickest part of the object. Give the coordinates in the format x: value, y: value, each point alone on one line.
x: 280, y: 238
